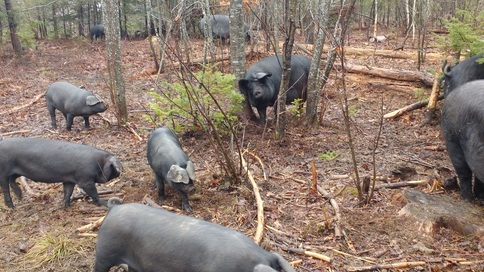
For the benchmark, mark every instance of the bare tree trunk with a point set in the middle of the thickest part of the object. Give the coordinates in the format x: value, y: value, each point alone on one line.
x: 12, y: 26
x: 113, y: 45
x: 237, y: 49
x: 314, y: 78
x: 290, y: 30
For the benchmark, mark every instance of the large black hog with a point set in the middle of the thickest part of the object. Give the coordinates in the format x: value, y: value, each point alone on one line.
x: 51, y: 161
x: 170, y: 164
x: 263, y: 79
x: 96, y: 32
x: 462, y: 124
x: 220, y: 27
x: 150, y: 240
x: 466, y: 71
x: 72, y: 101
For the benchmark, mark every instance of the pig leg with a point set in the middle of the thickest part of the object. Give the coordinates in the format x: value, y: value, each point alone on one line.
x: 68, y: 189
x: 86, y: 121
x: 90, y: 189
x: 160, y: 184
x: 52, y: 116
x: 6, y: 192
x: 185, y: 204
x: 262, y: 115
x: 16, y: 189
x: 70, y: 120
x: 462, y: 169
x: 479, y: 190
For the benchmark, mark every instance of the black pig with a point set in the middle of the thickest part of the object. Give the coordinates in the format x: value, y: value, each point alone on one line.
x: 97, y: 32
x: 44, y: 160
x: 466, y: 71
x: 72, y: 101
x: 170, y: 164
x: 262, y: 81
x: 462, y: 124
x: 220, y: 27
x: 151, y: 239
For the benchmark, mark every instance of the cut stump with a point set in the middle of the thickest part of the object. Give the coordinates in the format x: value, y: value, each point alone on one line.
x: 432, y: 212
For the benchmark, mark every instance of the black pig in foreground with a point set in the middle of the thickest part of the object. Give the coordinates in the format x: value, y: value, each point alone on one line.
x: 263, y: 79
x: 151, y: 239
x: 96, y: 32
x: 462, y: 123
x: 170, y: 164
x: 466, y: 71
x: 221, y: 27
x: 72, y: 101
x: 44, y: 160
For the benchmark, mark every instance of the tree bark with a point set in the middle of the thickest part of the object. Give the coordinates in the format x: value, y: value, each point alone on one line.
x: 12, y: 25
x: 113, y: 46
x: 314, y: 78
x: 290, y: 29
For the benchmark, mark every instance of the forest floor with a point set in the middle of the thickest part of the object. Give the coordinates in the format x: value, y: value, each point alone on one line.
x: 40, y: 235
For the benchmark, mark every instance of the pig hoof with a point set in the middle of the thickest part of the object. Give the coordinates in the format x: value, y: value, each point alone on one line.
x: 187, y: 208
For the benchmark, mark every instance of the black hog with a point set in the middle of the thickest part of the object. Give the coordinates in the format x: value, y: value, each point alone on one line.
x: 462, y: 123
x: 170, y: 164
x: 44, y: 160
x: 220, y: 27
x: 263, y: 79
x: 96, y: 32
x: 466, y: 71
x: 151, y: 239
x: 72, y: 101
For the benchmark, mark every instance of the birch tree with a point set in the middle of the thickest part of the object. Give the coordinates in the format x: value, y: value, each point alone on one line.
x: 113, y: 46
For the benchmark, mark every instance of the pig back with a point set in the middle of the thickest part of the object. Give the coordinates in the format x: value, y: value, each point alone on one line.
x: 164, y: 150
x: 71, y: 99
x: 45, y: 160
x: 161, y: 240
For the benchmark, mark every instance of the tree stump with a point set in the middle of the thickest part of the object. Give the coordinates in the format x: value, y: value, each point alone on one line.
x: 432, y: 212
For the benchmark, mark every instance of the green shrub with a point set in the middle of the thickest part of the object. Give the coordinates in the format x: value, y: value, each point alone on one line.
x: 207, y: 96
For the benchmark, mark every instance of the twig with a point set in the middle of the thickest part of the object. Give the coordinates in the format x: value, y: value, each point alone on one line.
x: 402, y: 184
x: 27, y: 187
x: 130, y: 129
x: 260, y: 205
x: 23, y: 106
x: 353, y: 256
x: 386, y: 266
x: 91, y: 226
x: 15, y: 132
x: 310, y: 254
x: 326, y: 195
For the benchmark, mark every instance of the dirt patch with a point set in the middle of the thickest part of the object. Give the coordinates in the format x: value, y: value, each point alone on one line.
x: 372, y: 234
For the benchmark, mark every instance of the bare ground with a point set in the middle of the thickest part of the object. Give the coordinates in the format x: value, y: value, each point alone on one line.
x: 40, y: 235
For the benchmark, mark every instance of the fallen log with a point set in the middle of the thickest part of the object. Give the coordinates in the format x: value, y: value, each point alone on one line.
x: 91, y: 226
x: 414, y: 106
x: 426, y: 79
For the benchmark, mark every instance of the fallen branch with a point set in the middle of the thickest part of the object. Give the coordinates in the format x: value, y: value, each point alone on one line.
x: 386, y: 266
x: 27, y: 187
x: 408, y: 108
x: 260, y: 205
x: 130, y: 129
x: 309, y: 253
x: 15, y: 132
x: 91, y: 226
x: 326, y: 195
x: 401, y: 184
x: 23, y: 106
x: 83, y: 195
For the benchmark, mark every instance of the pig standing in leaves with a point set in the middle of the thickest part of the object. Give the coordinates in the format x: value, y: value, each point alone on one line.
x: 462, y: 123
x: 44, y: 160
x: 72, y: 101
x: 220, y: 27
x: 151, y: 239
x: 263, y: 79
x: 96, y: 32
x: 170, y: 164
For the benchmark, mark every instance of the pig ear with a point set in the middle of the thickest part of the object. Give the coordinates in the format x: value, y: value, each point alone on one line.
x: 260, y: 76
x: 178, y: 175
x: 191, y: 170
x: 92, y: 100
x: 116, y: 164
